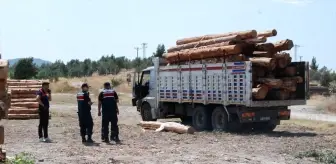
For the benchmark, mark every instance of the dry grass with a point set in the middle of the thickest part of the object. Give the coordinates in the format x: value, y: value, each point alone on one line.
x: 319, y: 126
x: 323, y: 103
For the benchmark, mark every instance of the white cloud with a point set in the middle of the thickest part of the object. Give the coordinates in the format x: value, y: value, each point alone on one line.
x: 295, y: 2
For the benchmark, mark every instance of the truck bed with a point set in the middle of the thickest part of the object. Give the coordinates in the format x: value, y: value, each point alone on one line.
x: 228, y: 83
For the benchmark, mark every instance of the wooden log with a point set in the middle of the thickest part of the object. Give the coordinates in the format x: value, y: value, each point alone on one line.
x: 23, y: 96
x: 268, y: 63
x: 289, y: 84
x: 23, y: 91
x: 268, y: 33
x: 264, y: 47
x: 203, y: 53
x: 23, y: 116
x: 15, y: 100
x: 25, y: 86
x: 258, y: 71
x: 22, y: 111
x: 283, y: 45
x: 229, y: 40
x: 290, y: 71
x: 235, y: 58
x: 260, y: 92
x: 282, y: 59
x: 266, y: 54
x: 255, y: 40
x: 23, y: 83
x: 25, y: 104
x: 243, y: 34
x: 273, y: 83
x: 282, y: 95
x: 297, y: 79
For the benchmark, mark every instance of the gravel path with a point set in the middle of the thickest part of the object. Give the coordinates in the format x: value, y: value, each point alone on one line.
x: 150, y: 147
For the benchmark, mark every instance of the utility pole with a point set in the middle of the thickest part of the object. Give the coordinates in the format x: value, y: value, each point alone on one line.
x: 300, y: 58
x: 137, y: 49
x: 144, y: 46
x: 295, y: 51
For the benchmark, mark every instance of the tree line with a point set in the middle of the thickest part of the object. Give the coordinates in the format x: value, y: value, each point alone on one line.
x: 108, y: 64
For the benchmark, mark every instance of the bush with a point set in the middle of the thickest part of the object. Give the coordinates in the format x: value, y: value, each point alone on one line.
x: 22, y: 158
x: 327, y: 156
x: 116, y: 82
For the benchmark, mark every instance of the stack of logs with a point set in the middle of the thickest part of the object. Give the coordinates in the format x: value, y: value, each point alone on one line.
x: 272, y: 76
x: 23, y: 104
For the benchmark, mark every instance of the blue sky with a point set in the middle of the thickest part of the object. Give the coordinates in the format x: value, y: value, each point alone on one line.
x: 67, y: 29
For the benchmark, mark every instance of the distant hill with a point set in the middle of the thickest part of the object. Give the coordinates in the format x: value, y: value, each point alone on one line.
x: 37, y: 61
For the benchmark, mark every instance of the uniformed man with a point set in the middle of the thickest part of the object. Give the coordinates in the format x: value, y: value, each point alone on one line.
x: 84, y: 113
x: 43, y: 97
x: 108, y: 108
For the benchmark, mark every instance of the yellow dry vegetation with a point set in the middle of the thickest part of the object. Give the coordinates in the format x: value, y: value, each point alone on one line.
x: 323, y: 103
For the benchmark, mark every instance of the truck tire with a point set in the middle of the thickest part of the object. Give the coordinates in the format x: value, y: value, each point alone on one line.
x: 186, y: 120
x: 264, y: 127
x: 219, y: 119
x: 201, y: 118
x: 146, y: 113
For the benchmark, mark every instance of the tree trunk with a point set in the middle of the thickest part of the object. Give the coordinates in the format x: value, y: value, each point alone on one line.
x: 260, y: 92
x: 203, y: 53
x: 273, y: 83
x: 289, y: 85
x: 283, y: 45
x: 282, y: 95
x: 243, y: 34
x: 283, y: 59
x: 290, y: 71
x: 265, y: 54
x: 229, y: 41
x: 255, y: 40
x: 268, y: 63
x: 264, y: 47
x: 268, y: 33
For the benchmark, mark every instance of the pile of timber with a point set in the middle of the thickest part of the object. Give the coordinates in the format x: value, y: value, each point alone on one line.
x: 166, y: 126
x: 4, y: 67
x: 23, y: 104
x: 272, y: 75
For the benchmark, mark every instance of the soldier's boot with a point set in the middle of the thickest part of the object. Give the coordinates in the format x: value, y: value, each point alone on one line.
x: 106, y: 140
x: 116, y: 139
x: 83, y: 139
x: 90, y: 139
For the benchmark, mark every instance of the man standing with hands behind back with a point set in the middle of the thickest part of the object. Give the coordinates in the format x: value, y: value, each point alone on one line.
x: 43, y: 97
x: 108, y: 108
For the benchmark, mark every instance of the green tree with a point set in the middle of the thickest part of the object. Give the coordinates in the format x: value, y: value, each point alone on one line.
x: 326, y: 77
x: 25, y: 69
x: 313, y: 65
x: 160, y: 50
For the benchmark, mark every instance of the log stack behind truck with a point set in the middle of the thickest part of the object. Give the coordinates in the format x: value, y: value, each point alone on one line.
x: 230, y: 81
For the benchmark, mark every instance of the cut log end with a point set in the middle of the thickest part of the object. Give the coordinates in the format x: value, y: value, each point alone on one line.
x: 260, y: 92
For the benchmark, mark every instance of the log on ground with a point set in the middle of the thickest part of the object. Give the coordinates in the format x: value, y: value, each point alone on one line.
x: 25, y: 104
x: 268, y: 33
x: 260, y: 92
x: 23, y: 91
x: 268, y: 63
x: 22, y: 116
x: 25, y: 86
x: 243, y: 34
x: 273, y: 83
x: 229, y: 40
x: 23, y: 83
x: 22, y: 111
x: 203, y: 53
x: 18, y: 96
x: 15, y: 100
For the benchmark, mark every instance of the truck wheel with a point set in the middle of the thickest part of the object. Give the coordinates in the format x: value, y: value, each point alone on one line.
x: 201, y: 118
x: 146, y: 112
x: 219, y: 119
x: 187, y: 120
x: 264, y: 127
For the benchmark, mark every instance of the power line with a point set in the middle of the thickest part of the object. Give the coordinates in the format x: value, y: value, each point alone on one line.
x: 144, y: 46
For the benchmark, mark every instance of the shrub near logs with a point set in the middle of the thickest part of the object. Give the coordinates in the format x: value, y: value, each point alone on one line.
x: 271, y: 73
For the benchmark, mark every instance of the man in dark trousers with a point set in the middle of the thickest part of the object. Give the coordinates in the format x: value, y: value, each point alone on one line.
x: 108, y: 108
x: 43, y: 97
x: 84, y: 113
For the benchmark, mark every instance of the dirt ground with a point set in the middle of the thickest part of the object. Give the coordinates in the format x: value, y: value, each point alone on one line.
x: 138, y: 146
